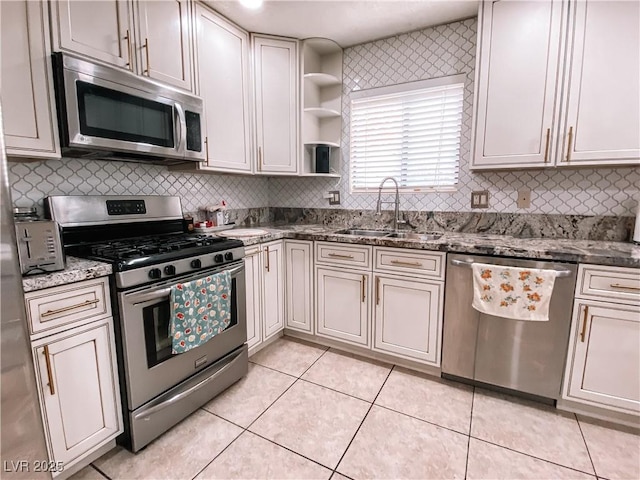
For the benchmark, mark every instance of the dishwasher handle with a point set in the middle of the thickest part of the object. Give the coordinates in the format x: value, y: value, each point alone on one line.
x: 562, y: 272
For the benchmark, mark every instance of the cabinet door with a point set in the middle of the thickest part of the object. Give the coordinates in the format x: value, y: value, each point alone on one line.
x: 99, y: 29
x: 602, y: 122
x: 28, y: 108
x: 408, y: 318
x: 276, y: 94
x: 342, y: 305
x: 603, y: 366
x: 222, y: 52
x: 272, y: 288
x: 253, y: 273
x: 299, y: 285
x: 516, y: 92
x: 164, y: 41
x: 79, y: 387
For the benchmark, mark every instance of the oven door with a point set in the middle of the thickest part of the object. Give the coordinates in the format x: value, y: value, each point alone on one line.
x: 150, y: 367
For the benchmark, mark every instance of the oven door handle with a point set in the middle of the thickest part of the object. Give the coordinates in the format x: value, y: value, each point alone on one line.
x: 137, y: 298
x: 162, y: 403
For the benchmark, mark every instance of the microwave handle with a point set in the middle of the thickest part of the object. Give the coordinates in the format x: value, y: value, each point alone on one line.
x: 182, y: 128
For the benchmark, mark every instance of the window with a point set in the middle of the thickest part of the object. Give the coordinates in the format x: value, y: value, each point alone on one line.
x: 410, y: 132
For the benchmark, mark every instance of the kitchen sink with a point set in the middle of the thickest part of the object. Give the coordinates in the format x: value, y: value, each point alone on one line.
x: 364, y: 233
x: 425, y: 237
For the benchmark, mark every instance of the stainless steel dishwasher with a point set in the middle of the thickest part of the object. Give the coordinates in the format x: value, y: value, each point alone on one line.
x: 525, y: 356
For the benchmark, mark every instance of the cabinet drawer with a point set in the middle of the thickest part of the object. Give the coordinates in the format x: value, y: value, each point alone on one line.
x: 343, y: 254
x: 602, y: 282
x: 402, y: 260
x: 59, y: 307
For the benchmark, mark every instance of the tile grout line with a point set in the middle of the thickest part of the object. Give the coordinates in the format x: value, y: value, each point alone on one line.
x: 99, y: 471
x: 362, y: 422
x: 245, y: 429
x: 334, y: 390
x: 466, y: 466
x: 533, y: 456
x: 586, y: 445
x: 422, y: 420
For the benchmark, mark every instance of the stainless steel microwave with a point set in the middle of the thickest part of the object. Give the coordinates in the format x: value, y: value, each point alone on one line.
x: 106, y: 112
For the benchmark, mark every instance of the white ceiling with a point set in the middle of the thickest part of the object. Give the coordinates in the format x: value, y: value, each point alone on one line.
x: 344, y: 21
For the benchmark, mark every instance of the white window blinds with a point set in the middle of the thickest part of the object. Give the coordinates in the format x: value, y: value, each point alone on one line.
x: 410, y: 132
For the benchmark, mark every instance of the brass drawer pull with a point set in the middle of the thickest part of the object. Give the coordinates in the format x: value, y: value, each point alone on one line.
x: 546, y: 147
x: 337, y: 255
x: 584, y: 323
x: 624, y: 287
x: 569, y: 140
x: 268, y: 264
x: 259, y: 159
x: 49, y: 373
x: 364, y: 279
x: 129, y: 63
x: 377, y: 290
x: 406, y: 264
x: 206, y: 148
x: 48, y: 313
x: 146, y: 48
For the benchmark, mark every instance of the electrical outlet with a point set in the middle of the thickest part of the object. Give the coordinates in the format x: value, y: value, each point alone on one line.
x: 480, y: 199
x: 524, y: 198
x: 335, y: 197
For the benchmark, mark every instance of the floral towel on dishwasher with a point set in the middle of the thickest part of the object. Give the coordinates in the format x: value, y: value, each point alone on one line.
x: 510, y: 292
x: 200, y: 309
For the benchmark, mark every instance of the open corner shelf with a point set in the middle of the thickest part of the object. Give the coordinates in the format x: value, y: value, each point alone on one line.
x: 322, y: 112
x: 322, y: 79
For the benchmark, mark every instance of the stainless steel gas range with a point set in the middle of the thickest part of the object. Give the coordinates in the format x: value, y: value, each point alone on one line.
x: 141, y: 236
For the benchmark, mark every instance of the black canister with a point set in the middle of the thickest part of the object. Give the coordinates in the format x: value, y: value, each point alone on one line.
x: 322, y: 158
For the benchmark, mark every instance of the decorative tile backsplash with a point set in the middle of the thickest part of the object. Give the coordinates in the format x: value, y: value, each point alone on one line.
x: 31, y: 182
x: 435, y: 52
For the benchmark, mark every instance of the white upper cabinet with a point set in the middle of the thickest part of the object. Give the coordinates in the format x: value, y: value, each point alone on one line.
x: 516, y: 78
x: 222, y: 52
x: 163, y: 41
x: 28, y: 106
x: 276, y: 103
x: 601, y: 124
x: 100, y: 29
x: 557, y: 84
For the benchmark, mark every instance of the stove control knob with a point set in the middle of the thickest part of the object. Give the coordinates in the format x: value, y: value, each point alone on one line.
x: 228, y: 256
x: 218, y: 258
x: 155, y: 273
x: 196, y: 263
x: 170, y: 270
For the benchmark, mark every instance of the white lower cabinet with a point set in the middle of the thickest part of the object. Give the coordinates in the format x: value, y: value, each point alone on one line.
x: 408, y: 315
x: 603, y: 361
x: 299, y: 284
x: 342, y: 305
x: 78, y: 379
x: 265, y: 291
x: 252, y: 272
x: 272, y: 289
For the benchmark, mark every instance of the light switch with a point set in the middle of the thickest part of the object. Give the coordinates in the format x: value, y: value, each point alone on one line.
x: 480, y: 199
x: 335, y: 197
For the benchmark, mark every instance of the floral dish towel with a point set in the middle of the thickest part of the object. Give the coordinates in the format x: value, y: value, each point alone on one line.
x: 510, y: 292
x: 200, y: 309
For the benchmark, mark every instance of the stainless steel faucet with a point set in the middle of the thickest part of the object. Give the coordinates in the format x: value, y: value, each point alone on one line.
x: 396, y: 217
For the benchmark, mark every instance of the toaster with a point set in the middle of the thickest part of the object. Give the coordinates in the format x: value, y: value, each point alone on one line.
x: 39, y: 247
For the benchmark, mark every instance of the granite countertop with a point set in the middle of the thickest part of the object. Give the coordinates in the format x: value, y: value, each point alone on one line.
x: 77, y: 269
x: 580, y: 251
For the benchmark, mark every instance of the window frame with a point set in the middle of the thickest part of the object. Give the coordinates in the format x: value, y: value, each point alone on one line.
x: 406, y: 87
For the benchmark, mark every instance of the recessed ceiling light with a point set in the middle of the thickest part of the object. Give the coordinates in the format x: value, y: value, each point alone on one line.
x: 252, y: 4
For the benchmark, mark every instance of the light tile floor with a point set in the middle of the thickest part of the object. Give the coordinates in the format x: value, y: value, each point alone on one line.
x: 306, y: 412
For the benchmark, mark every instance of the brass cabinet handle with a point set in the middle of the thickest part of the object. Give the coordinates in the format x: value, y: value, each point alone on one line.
x: 584, y: 323
x: 546, y: 146
x: 206, y: 148
x: 569, y: 140
x: 406, y: 264
x: 259, y: 159
x: 377, y: 290
x: 364, y: 279
x: 337, y: 255
x: 268, y: 265
x: 146, y: 48
x: 624, y: 287
x: 48, y: 313
x: 129, y: 63
x: 49, y: 373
